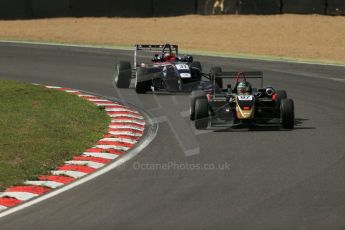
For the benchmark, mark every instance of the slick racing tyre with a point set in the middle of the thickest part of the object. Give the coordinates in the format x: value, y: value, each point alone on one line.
x: 281, y: 94
x: 194, y: 96
x: 214, y: 71
x: 287, y: 113
x: 123, y: 74
x: 201, y: 114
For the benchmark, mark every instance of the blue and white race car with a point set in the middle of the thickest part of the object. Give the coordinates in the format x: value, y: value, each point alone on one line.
x: 166, y: 72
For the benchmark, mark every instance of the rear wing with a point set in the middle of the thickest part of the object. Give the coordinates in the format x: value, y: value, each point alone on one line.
x: 238, y: 75
x: 153, y: 48
x: 246, y: 74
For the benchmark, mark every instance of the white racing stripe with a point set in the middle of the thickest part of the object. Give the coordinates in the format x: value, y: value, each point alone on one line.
x: 125, y: 140
x: 121, y: 110
x: 53, y: 87
x: 86, y: 95
x: 107, y: 104
x: 126, y: 127
x: 19, y: 195
x: 126, y: 133
x: 122, y: 148
x: 91, y: 164
x: 126, y: 115
x: 47, y: 183
x: 100, y: 100
x: 101, y: 155
x: 2, y: 208
x: 128, y: 121
x: 74, y: 174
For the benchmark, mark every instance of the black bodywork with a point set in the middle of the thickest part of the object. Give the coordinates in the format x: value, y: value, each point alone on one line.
x: 181, y: 74
x: 223, y: 101
x: 166, y: 72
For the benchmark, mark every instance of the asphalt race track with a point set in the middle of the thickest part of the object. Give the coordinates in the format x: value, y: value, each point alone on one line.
x: 268, y: 178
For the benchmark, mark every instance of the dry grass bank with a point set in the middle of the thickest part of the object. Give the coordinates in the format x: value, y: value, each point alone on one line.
x: 299, y: 36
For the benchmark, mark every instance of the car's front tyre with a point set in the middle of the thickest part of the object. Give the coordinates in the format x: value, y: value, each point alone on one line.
x: 201, y: 114
x: 287, y: 113
x: 123, y: 74
x: 194, y: 96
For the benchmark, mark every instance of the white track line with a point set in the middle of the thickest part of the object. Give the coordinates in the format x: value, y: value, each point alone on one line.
x: 46, y: 183
x: 2, y: 208
x: 74, y: 174
x: 101, y: 155
x: 91, y: 164
x: 19, y: 195
x: 338, y: 79
x: 71, y: 91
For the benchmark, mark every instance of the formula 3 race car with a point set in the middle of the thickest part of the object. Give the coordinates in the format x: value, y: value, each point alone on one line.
x: 241, y: 105
x: 166, y: 72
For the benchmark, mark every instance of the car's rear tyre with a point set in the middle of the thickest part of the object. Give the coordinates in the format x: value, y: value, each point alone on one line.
x: 214, y: 72
x: 123, y: 74
x: 194, y: 96
x: 287, y: 113
x: 201, y: 114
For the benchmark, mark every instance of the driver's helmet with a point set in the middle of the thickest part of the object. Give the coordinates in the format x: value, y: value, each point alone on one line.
x: 244, y: 87
x: 169, y: 56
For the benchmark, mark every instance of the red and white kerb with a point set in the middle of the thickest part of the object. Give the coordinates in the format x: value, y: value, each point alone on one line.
x: 125, y: 129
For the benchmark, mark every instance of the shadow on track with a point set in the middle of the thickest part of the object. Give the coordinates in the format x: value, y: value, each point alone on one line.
x: 269, y: 127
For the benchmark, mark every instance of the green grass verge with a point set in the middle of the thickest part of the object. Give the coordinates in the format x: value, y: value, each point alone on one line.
x: 41, y: 128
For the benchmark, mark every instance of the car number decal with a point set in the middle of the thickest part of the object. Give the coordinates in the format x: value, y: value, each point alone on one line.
x: 245, y: 97
x: 182, y: 67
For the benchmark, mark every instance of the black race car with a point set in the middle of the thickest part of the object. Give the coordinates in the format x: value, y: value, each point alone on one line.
x: 241, y: 105
x: 166, y: 72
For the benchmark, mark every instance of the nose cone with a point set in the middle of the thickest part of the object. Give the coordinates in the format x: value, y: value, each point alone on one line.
x: 244, y: 114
